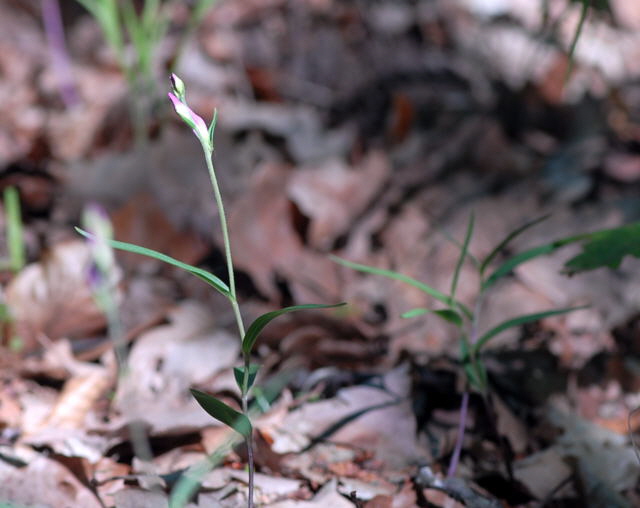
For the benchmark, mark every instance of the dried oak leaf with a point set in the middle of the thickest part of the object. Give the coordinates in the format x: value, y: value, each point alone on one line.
x: 52, y: 298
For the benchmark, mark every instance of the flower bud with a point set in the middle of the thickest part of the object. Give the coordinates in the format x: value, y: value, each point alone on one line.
x: 178, y: 88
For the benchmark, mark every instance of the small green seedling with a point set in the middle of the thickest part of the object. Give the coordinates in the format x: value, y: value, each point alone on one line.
x: 460, y: 315
x: 465, y: 319
x: 245, y: 375
x: 15, y: 259
x: 134, y: 35
x: 14, y: 236
x: 604, y: 248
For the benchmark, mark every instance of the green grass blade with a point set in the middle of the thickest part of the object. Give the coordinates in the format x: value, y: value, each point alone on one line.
x: 258, y: 325
x: 474, y: 260
x: 576, y: 37
x: 441, y: 297
x: 511, y: 263
x: 223, y: 413
x: 15, y: 239
x: 449, y: 315
x: 209, y: 278
x: 508, y: 239
x: 415, y: 313
x: 517, y: 321
x: 463, y: 255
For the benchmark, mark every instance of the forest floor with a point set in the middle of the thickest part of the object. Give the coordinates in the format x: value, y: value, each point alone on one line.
x: 367, y: 130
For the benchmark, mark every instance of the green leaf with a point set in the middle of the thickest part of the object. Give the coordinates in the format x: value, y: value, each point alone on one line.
x: 508, y: 240
x: 448, y: 315
x: 606, y: 248
x: 209, y: 278
x: 212, y: 126
x: 415, y: 313
x: 15, y: 239
x: 463, y: 255
x: 477, y: 375
x: 238, y: 374
x: 517, y: 321
x: 257, y: 326
x: 441, y: 297
x: 473, y: 367
x: 223, y: 413
x: 455, y: 242
x: 542, y: 250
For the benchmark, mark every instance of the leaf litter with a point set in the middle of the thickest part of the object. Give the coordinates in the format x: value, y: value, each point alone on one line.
x: 369, y: 132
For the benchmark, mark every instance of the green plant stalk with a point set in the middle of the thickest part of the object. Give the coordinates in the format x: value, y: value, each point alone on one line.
x: 104, y: 298
x: 208, y: 153
x: 225, y: 239
x: 15, y: 239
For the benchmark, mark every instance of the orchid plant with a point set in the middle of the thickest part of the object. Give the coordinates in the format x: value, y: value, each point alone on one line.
x: 465, y: 318
x: 245, y: 375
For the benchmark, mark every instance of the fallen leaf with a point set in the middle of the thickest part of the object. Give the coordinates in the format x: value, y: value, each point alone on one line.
x: 166, y: 361
x: 52, y: 297
x: 542, y: 472
x: 50, y: 484
x: 326, y: 496
x: 267, y: 246
x: 333, y: 195
x: 372, y: 419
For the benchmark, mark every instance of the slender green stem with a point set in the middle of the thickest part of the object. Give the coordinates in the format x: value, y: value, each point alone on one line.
x: 225, y: 240
x: 236, y: 311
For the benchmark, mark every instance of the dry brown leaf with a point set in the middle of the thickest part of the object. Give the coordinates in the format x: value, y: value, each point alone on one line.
x: 10, y: 410
x: 509, y: 426
x: 143, y: 222
x: 166, y: 361
x: 266, y: 244
x: 388, y: 430
x: 131, y: 497
x: 78, y: 397
x: 325, y: 497
x: 108, y: 475
x: 405, y: 498
x: 49, y: 484
x: 73, y: 132
x: 333, y: 194
x: 52, y: 297
x: 542, y: 472
x: 623, y: 167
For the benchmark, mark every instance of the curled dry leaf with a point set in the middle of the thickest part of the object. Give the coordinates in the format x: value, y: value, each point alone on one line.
x: 52, y: 297
x: 167, y: 360
x: 78, y: 396
x: 333, y: 195
x: 266, y: 244
x: 371, y: 418
x: 49, y: 484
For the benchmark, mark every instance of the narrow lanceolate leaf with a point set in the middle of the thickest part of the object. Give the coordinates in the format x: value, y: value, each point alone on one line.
x: 448, y: 315
x: 415, y: 313
x: 223, y: 413
x: 238, y: 374
x: 507, y: 240
x: 510, y: 264
x: 517, y: 321
x: 463, y: 255
x: 473, y: 367
x: 209, y: 278
x: 257, y: 326
x: 441, y: 297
